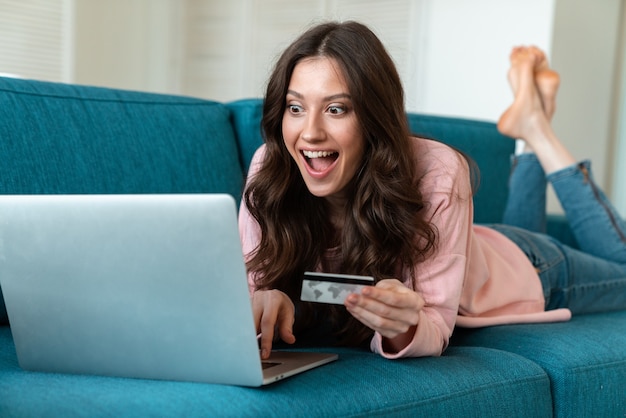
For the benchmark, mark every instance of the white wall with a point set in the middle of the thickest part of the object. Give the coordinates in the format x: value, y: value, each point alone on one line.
x: 585, y: 51
x: 467, y: 45
x: 619, y: 149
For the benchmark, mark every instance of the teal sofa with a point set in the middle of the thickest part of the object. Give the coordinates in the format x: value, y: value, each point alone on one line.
x: 58, y: 138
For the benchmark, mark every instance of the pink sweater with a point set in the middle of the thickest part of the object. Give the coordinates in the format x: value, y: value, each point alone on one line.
x: 477, y: 277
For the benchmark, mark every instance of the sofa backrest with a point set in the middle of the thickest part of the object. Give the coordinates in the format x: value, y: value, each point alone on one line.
x: 68, y: 139
x: 479, y: 140
x: 59, y: 138
x: 490, y: 150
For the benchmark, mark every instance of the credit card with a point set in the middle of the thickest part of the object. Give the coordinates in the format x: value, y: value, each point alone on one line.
x: 332, y: 288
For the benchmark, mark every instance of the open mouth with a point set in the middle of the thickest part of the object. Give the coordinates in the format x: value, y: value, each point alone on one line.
x: 320, y: 160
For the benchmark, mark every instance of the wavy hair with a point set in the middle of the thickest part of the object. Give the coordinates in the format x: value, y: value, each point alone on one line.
x: 383, y: 229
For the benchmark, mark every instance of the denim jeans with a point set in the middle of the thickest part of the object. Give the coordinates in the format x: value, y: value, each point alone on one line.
x: 592, y: 279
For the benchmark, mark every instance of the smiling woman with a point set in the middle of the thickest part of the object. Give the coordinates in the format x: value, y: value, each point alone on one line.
x: 340, y: 186
x: 321, y: 130
x: 335, y: 182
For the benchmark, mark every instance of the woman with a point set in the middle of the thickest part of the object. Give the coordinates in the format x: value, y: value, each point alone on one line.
x: 340, y: 186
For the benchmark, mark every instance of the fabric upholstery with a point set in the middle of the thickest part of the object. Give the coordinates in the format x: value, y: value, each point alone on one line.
x: 246, y: 119
x: 486, y: 146
x: 585, y: 359
x: 467, y: 382
x: 58, y: 138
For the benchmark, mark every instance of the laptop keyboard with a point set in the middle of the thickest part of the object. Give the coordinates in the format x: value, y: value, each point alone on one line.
x: 268, y: 364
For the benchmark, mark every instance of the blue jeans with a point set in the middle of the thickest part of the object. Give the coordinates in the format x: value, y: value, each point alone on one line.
x: 592, y: 279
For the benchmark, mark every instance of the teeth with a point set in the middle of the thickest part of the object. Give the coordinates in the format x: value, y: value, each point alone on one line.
x: 317, y: 154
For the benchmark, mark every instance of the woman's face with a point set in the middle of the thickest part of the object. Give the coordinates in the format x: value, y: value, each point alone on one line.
x: 320, y: 128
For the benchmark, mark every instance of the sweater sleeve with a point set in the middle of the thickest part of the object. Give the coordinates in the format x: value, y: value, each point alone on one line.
x: 446, y: 188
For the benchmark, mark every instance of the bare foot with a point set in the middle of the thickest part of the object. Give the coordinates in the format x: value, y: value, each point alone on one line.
x: 526, y: 118
x: 547, y: 81
x: 527, y: 108
x: 513, y: 74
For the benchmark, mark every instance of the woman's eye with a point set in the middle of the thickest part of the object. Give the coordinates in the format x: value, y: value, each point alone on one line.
x: 336, y: 110
x: 295, y: 109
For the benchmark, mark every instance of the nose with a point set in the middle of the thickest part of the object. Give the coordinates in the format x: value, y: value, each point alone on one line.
x: 313, y: 129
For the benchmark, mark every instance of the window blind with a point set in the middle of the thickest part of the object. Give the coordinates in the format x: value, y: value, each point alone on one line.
x: 34, y: 40
x: 231, y: 47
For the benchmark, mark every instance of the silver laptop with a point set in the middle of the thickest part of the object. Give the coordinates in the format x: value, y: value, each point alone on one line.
x: 144, y: 286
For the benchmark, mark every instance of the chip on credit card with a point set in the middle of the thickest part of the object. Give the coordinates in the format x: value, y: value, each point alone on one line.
x: 331, y: 288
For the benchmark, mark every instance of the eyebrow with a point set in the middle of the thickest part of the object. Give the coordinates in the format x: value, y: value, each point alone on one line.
x: 326, y: 99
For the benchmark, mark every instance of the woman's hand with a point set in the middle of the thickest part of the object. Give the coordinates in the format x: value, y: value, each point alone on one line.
x: 273, y: 312
x: 390, y: 308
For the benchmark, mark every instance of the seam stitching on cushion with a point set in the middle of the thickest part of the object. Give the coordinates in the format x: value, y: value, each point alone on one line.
x: 193, y: 101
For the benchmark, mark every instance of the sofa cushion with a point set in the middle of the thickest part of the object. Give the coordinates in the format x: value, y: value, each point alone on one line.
x: 465, y: 382
x: 487, y: 147
x: 246, y: 119
x: 58, y: 138
x: 585, y: 359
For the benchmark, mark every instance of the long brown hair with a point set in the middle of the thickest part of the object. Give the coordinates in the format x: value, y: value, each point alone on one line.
x: 384, y: 230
